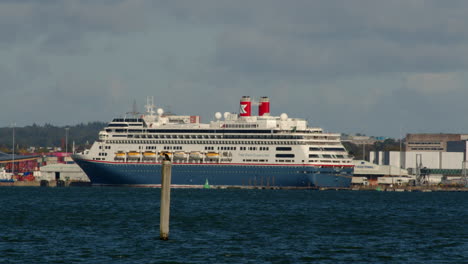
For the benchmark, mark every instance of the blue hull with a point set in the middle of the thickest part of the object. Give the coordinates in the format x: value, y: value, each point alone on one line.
x: 187, y: 175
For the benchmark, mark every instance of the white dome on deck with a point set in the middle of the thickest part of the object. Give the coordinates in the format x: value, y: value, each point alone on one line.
x: 283, y: 117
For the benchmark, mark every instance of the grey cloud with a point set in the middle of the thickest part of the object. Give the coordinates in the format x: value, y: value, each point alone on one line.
x: 21, y: 74
x: 303, y: 54
x: 417, y: 112
x: 347, y: 38
x: 253, y: 53
x: 9, y: 81
x: 400, y: 20
x: 65, y: 21
x: 332, y: 38
x: 31, y: 68
x: 64, y: 42
x: 70, y: 100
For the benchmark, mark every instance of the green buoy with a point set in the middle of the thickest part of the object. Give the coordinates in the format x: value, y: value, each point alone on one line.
x: 207, y: 185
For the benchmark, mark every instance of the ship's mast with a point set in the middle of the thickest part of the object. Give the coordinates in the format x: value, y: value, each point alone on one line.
x: 134, y: 111
x: 150, y: 105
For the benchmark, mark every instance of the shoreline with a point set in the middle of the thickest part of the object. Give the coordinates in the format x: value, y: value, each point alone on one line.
x: 381, y: 188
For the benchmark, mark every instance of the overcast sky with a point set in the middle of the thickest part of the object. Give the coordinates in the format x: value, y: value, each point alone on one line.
x: 381, y: 68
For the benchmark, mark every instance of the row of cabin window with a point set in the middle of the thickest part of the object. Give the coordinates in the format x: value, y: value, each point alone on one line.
x: 326, y: 156
x: 206, y: 148
x: 427, y: 149
x: 263, y: 160
x: 241, y: 125
x: 105, y: 147
x: 332, y: 161
x: 255, y: 148
x: 221, y: 136
x: 139, y: 120
x: 221, y: 148
x: 249, y: 148
x: 326, y: 149
x: 123, y: 125
x: 424, y: 143
x: 210, y: 136
x: 259, y: 134
x: 329, y: 156
x: 172, y: 147
x: 215, y: 142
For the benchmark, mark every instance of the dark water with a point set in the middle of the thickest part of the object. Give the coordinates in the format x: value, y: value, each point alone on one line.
x: 121, y: 225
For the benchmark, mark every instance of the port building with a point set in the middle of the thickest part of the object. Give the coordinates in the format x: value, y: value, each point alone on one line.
x: 442, y: 156
x: 431, y: 142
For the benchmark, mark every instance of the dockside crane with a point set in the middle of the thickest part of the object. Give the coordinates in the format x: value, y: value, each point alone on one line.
x: 421, y: 172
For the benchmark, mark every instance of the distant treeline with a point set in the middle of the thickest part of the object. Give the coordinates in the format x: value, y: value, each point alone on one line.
x: 49, y: 136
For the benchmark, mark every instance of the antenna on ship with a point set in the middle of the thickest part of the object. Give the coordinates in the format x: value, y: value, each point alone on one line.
x: 150, y: 105
x: 134, y: 111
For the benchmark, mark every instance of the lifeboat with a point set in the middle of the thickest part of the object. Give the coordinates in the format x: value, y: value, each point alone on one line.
x: 133, y: 155
x: 149, y: 155
x: 195, y: 155
x: 180, y: 155
x: 120, y: 155
x: 212, y: 156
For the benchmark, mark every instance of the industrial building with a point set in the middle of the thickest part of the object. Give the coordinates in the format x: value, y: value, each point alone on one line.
x: 433, y: 151
x: 61, y: 171
x: 434, y: 166
x: 368, y: 173
x: 431, y: 142
x: 51, y: 166
x: 432, y: 158
x: 410, y: 160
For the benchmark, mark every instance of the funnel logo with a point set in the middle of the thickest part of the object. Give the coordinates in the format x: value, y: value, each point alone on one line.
x: 242, y: 109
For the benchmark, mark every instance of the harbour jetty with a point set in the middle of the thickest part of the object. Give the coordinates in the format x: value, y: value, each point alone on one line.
x: 411, y: 188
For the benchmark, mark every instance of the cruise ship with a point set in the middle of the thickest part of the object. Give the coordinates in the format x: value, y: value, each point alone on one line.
x: 233, y: 150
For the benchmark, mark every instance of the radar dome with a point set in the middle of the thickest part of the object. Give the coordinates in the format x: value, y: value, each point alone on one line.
x: 218, y: 115
x: 226, y: 115
x: 284, y: 117
x: 160, y: 111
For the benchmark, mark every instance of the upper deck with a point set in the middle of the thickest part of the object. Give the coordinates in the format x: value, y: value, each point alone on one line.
x: 227, y: 126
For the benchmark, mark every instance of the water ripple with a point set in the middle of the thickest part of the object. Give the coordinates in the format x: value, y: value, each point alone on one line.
x: 121, y: 225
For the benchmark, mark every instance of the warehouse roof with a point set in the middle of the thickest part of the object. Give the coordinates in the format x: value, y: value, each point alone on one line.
x: 5, y: 158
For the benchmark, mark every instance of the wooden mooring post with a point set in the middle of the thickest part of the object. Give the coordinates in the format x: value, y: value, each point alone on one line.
x: 165, y: 200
